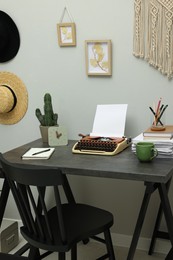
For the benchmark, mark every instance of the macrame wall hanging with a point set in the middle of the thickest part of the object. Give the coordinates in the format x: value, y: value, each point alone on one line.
x: 153, y: 33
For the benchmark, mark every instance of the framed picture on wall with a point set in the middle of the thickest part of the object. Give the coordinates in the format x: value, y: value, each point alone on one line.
x: 98, y: 55
x: 66, y: 34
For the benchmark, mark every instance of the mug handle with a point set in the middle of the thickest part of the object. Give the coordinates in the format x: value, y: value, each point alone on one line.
x: 155, y: 152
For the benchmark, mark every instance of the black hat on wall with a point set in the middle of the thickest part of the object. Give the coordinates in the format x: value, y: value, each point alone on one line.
x: 9, y: 38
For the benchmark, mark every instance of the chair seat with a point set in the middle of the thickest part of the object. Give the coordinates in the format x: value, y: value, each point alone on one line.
x: 81, y: 221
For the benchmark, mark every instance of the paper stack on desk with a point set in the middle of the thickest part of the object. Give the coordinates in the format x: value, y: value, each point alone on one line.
x: 164, y: 147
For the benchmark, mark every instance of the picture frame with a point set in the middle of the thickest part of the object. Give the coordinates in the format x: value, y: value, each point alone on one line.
x: 66, y: 34
x: 98, y: 55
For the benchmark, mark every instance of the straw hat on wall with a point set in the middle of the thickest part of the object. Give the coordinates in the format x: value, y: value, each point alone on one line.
x: 13, y: 98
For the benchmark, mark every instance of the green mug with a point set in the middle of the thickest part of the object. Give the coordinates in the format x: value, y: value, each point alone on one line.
x: 146, y: 151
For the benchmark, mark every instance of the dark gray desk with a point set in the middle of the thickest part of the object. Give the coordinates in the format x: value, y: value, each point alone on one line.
x: 155, y: 175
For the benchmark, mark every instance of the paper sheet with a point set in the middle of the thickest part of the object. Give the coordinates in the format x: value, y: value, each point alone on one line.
x: 109, y: 120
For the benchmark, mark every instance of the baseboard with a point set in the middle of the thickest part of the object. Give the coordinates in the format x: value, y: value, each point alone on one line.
x: 162, y: 245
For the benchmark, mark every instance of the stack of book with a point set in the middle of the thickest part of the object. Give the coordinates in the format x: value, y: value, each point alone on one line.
x: 165, y: 134
x: 163, y: 141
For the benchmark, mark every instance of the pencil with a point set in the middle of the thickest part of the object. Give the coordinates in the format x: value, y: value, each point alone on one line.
x: 163, y: 110
x: 158, y: 106
x: 155, y: 116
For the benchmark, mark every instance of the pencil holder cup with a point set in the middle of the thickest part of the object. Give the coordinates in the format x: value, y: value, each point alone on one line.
x: 158, y: 123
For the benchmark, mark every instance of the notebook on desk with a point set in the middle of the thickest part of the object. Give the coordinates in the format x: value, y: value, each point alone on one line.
x: 38, y: 153
x: 107, y: 136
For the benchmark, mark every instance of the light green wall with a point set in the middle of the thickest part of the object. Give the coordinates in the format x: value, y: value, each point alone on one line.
x: 45, y: 67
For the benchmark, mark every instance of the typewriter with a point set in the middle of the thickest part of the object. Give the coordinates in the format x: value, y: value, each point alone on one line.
x: 101, y: 145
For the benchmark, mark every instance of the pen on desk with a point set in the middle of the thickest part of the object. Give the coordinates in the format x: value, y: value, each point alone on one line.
x: 41, y: 152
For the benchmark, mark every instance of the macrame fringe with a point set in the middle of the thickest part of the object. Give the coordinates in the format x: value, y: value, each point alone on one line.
x: 153, y: 33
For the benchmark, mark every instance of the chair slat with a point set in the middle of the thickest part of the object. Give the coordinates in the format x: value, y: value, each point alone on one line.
x: 60, y: 215
x: 44, y: 208
x: 20, y: 204
x: 35, y: 220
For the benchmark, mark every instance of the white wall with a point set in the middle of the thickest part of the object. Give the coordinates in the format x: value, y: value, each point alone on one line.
x: 45, y: 67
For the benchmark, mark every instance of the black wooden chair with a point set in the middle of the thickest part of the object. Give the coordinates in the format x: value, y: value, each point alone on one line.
x: 4, y: 256
x: 60, y: 227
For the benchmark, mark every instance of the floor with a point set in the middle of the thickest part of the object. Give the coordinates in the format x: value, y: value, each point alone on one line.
x: 93, y: 250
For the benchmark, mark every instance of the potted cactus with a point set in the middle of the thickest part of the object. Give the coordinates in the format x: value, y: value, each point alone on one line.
x: 48, y: 119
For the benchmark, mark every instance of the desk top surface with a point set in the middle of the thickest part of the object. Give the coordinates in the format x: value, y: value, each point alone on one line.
x: 124, y: 165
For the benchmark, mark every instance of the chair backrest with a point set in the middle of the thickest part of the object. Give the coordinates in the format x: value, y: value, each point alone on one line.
x: 29, y: 185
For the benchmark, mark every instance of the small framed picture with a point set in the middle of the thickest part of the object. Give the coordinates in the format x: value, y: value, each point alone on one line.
x: 98, y: 57
x: 66, y: 34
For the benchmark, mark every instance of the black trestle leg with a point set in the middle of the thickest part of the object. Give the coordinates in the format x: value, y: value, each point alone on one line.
x: 149, y: 190
x: 168, y: 215
x: 74, y: 253
x: 156, y: 233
